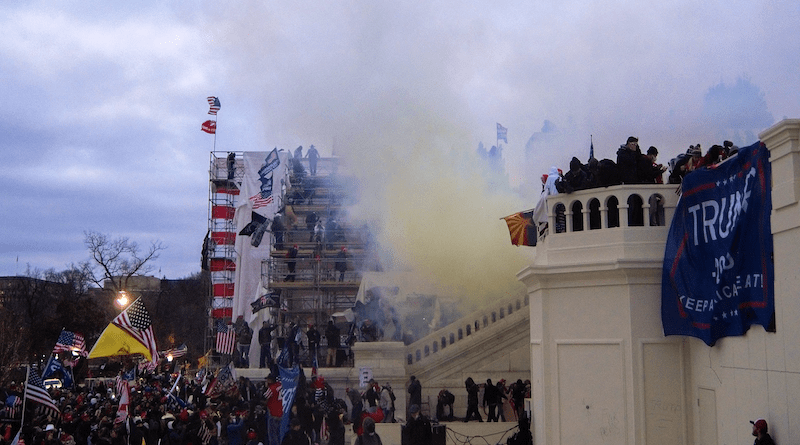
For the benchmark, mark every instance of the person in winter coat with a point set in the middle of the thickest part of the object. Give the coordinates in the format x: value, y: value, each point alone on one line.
x: 387, y: 403
x: 472, y: 400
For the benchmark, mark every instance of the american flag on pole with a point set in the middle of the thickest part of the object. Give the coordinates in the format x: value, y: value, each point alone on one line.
x: 70, y: 341
x: 214, y: 105
x: 136, y: 322
x: 35, y: 391
x: 123, y: 395
x: 259, y: 201
x: 226, y: 338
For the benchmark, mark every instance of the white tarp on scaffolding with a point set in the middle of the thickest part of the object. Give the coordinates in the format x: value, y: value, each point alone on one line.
x: 266, y: 176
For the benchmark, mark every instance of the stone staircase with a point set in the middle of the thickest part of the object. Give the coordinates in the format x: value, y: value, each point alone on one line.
x: 491, y: 343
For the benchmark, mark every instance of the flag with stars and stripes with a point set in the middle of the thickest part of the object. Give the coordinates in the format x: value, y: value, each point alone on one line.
x: 131, y: 332
x: 226, y: 338
x: 175, y: 352
x: 214, y: 105
x: 70, y: 341
x: 35, y: 391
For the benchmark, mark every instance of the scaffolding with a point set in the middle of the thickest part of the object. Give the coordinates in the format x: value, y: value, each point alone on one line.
x: 317, y: 290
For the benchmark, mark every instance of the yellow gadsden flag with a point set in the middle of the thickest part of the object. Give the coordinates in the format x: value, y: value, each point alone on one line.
x: 130, y: 333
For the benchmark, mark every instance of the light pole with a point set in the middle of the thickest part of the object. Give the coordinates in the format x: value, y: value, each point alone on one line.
x: 122, y: 299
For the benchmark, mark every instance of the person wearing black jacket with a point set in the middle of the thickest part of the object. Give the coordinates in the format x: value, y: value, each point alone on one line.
x: 333, y: 336
x: 494, y: 399
x: 627, y: 160
x: 417, y: 430
x: 472, y: 400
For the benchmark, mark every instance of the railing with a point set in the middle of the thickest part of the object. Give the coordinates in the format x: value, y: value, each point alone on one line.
x: 339, y: 237
x: 609, y: 207
x: 464, y: 328
x: 315, y: 271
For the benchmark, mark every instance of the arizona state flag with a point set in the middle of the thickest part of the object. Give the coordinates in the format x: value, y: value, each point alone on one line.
x: 521, y: 229
x: 130, y: 333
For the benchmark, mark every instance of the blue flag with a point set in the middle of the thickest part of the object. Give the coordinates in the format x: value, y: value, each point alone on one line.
x: 289, y: 378
x: 53, y: 366
x: 130, y: 375
x: 718, y: 274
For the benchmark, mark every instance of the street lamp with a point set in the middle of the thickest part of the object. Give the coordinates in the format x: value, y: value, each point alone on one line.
x: 122, y: 299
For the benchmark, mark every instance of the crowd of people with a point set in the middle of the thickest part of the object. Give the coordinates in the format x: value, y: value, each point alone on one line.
x: 161, y: 411
x: 636, y: 167
x: 632, y: 166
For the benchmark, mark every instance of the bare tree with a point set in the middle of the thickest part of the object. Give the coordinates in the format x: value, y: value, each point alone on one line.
x: 118, y: 259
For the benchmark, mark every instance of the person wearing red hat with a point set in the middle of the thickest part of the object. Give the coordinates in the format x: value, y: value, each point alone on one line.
x: 760, y: 431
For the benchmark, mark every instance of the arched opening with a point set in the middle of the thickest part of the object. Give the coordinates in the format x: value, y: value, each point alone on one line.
x: 656, y: 202
x: 594, y: 214
x: 452, y: 338
x: 444, y: 342
x: 577, y: 216
x: 613, y: 212
x: 635, y: 211
x: 561, y: 218
x: 435, y: 347
x: 427, y: 350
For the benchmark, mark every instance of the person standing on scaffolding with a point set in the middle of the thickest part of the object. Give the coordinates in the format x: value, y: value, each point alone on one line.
x: 231, y: 165
x: 313, y: 156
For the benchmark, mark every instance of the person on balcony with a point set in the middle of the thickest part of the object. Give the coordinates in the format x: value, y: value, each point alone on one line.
x: 627, y: 160
x: 577, y: 178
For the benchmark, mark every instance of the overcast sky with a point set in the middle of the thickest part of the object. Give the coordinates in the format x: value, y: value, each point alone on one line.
x: 104, y: 102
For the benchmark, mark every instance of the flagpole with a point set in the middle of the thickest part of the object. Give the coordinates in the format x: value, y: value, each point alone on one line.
x: 216, y: 118
x: 25, y: 397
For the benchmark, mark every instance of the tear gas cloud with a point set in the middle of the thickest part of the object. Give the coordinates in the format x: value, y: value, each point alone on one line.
x: 404, y: 92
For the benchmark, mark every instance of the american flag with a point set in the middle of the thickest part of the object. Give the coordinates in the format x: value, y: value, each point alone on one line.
x: 35, y: 391
x: 179, y: 351
x: 226, y: 338
x: 213, y: 103
x: 13, y: 404
x: 136, y: 322
x: 259, y: 201
x: 70, y: 341
x: 224, y: 382
x: 206, y: 433
x: 123, y: 395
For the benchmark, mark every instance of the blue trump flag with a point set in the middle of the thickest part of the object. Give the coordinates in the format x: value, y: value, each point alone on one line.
x: 718, y: 274
x: 54, y: 366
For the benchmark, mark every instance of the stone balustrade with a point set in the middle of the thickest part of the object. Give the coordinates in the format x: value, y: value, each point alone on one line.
x: 609, y: 207
x: 463, y: 328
